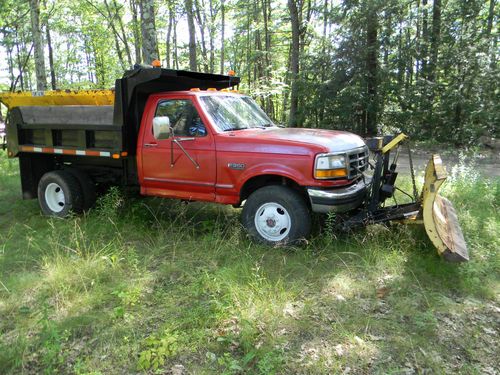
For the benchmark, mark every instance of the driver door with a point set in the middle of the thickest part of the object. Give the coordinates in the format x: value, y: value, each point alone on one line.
x: 183, y: 165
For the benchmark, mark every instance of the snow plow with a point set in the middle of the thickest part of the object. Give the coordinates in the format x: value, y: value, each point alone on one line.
x: 428, y: 208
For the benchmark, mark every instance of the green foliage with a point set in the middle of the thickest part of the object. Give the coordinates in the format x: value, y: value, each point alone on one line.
x: 109, y: 205
x: 157, y: 349
x: 431, y: 74
x: 50, y: 341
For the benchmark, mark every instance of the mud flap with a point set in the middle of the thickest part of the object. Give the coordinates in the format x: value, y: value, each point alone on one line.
x: 439, y: 216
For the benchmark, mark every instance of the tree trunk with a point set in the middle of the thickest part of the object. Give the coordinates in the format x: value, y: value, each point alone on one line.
x: 223, y: 26
x: 294, y: 62
x: 211, y: 35
x: 492, y: 40
x: 171, y: 15
x: 174, y: 41
x: 435, y: 39
x: 425, y: 39
x: 372, y: 71
x: 116, y: 36
x: 123, y: 33
x: 11, y: 64
x: 88, y: 59
x: 53, y: 82
x: 266, y: 14
x: 41, y: 78
x: 202, y: 23
x: 137, y: 35
x: 192, y: 35
x: 248, y: 45
x: 148, y: 31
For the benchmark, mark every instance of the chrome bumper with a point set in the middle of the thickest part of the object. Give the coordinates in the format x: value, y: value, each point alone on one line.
x: 339, y: 199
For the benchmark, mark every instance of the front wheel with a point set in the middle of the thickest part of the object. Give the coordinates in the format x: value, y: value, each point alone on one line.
x: 276, y: 215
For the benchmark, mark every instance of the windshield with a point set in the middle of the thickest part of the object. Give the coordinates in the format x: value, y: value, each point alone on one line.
x: 235, y: 112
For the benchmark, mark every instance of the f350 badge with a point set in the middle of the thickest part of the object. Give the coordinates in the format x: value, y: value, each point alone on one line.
x: 237, y: 166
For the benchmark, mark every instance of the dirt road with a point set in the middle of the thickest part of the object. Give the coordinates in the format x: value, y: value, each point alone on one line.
x: 486, y: 162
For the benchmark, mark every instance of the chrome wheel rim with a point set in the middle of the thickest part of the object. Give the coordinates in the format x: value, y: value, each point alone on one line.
x: 54, y: 197
x: 273, y: 221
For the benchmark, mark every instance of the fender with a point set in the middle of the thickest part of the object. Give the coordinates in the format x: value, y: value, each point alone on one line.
x: 274, y: 169
x: 230, y: 194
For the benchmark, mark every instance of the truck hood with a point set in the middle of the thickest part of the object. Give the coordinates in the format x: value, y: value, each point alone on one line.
x: 321, y: 140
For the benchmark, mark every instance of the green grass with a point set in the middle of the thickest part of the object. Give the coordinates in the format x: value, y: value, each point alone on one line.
x: 143, y: 285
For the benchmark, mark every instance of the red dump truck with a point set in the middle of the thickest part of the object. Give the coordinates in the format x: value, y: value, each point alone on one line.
x: 191, y: 136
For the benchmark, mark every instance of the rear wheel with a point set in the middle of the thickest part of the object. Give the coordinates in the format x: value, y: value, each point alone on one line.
x: 276, y: 215
x: 87, y: 186
x: 59, y: 194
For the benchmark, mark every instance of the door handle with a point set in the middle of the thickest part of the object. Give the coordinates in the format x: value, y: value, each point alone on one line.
x: 150, y: 144
x: 183, y: 139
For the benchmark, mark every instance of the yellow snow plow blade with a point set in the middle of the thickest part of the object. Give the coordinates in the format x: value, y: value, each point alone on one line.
x: 439, y: 216
x: 57, y: 97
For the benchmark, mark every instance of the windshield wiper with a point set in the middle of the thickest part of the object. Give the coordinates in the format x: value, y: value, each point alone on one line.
x: 232, y: 129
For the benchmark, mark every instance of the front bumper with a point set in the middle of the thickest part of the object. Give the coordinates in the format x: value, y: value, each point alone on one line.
x: 339, y: 199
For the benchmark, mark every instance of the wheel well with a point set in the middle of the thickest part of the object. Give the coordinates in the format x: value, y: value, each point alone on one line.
x: 257, y: 182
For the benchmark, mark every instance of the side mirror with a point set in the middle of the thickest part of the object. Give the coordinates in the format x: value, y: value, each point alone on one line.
x: 161, y: 127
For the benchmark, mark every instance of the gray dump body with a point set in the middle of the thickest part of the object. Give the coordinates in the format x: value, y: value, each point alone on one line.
x: 66, y: 128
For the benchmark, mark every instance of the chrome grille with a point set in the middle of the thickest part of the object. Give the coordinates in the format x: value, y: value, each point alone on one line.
x: 358, y: 161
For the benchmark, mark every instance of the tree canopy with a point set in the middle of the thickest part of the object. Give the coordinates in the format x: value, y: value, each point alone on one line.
x: 426, y: 67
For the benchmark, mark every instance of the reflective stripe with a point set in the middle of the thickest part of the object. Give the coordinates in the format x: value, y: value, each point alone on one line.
x: 50, y: 150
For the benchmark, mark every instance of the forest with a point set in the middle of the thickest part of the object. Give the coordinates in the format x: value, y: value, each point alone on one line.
x: 426, y: 67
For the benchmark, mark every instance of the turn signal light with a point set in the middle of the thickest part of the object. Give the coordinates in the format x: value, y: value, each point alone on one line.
x: 330, y: 173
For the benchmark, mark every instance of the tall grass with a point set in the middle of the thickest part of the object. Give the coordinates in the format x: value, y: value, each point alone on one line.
x: 143, y: 285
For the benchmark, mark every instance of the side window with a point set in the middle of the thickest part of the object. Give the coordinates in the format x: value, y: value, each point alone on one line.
x: 184, y: 118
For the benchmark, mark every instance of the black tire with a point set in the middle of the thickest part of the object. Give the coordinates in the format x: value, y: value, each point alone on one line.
x: 283, y: 210
x: 87, y: 186
x: 50, y: 187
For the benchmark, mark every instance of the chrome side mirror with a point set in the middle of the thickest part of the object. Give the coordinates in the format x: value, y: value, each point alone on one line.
x: 161, y: 127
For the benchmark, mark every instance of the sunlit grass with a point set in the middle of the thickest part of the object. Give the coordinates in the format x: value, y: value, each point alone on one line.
x: 96, y: 293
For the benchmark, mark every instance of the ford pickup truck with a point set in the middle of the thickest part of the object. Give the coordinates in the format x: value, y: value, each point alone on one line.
x: 191, y: 136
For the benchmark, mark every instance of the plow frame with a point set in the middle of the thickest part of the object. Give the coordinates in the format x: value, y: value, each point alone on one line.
x: 428, y: 208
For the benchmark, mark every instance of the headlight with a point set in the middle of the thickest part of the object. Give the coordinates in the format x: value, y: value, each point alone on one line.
x: 330, y: 166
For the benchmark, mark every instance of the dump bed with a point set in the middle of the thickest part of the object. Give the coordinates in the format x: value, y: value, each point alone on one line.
x: 90, y: 130
x: 97, y: 123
